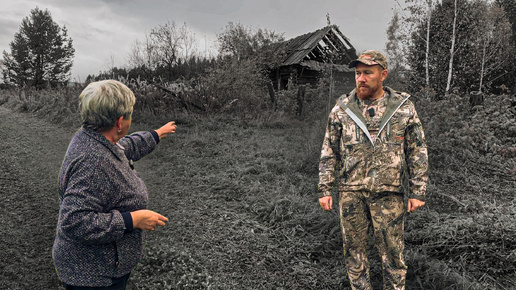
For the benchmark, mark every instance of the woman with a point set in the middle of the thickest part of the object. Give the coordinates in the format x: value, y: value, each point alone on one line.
x: 103, y: 201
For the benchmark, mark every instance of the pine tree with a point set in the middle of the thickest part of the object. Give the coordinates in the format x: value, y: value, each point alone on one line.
x: 41, y: 53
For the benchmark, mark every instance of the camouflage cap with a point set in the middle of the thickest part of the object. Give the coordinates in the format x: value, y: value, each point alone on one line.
x: 370, y: 57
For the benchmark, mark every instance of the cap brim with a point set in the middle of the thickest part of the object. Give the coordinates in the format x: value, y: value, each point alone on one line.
x: 353, y: 63
x: 370, y: 63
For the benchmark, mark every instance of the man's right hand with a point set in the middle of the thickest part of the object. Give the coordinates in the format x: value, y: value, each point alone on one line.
x: 147, y: 220
x: 326, y: 202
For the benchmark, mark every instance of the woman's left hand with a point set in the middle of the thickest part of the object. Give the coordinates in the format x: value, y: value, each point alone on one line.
x: 147, y: 220
x: 168, y: 128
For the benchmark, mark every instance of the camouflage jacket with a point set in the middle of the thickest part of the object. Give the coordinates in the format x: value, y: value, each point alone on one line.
x: 378, y: 165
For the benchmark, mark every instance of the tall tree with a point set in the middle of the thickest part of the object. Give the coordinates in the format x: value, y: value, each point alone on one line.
x: 393, y: 49
x: 163, y: 48
x: 244, y: 43
x: 41, y: 53
x: 452, y: 48
x: 238, y: 81
x: 509, y: 6
x: 462, y: 43
x: 491, y: 45
x: 427, y: 41
x: 407, y: 23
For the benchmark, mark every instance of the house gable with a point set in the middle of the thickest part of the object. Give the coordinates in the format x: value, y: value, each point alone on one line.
x: 308, y: 56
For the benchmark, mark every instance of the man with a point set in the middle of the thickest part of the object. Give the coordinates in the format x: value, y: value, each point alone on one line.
x: 372, y: 137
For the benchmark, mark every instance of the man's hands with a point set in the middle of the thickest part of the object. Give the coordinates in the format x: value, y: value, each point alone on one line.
x: 147, y: 220
x: 326, y: 202
x: 414, y: 204
x: 168, y: 128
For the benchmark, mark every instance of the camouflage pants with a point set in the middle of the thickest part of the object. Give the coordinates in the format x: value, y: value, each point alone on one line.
x: 385, y: 211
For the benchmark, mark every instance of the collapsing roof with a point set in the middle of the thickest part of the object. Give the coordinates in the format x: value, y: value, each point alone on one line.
x: 324, y: 46
x: 309, y: 56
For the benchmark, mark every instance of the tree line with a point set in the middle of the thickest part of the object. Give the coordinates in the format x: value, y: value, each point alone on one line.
x: 441, y: 45
x: 41, y: 53
x: 454, y: 45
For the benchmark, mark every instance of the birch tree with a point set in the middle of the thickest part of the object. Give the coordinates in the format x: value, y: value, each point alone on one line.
x: 493, y: 44
x: 394, y: 50
x: 509, y: 7
x: 461, y: 44
x: 452, y: 49
x: 407, y: 23
x: 427, y: 41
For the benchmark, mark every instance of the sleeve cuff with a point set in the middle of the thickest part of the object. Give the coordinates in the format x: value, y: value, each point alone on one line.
x: 323, y: 194
x: 128, y: 221
x: 155, y: 136
x: 418, y: 197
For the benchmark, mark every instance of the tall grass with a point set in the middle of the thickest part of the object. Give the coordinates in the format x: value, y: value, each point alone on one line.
x: 58, y: 106
x: 244, y: 193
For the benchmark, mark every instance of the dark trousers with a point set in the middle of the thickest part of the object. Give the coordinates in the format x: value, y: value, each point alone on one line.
x: 118, y: 284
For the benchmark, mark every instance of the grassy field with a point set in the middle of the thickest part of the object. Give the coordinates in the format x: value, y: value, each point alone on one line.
x: 242, y: 203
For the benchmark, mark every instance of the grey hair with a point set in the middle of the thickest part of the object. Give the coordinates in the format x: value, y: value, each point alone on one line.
x: 102, y: 102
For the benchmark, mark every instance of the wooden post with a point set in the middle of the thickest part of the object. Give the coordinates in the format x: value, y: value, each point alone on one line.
x: 272, y: 94
x: 300, y: 99
x: 476, y: 98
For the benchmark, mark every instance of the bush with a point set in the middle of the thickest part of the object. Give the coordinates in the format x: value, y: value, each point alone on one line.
x: 59, y: 106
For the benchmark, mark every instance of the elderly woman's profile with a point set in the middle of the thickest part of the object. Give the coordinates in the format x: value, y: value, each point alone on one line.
x: 103, y: 203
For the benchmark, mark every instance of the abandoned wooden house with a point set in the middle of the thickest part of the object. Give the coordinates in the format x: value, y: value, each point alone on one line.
x: 309, y: 57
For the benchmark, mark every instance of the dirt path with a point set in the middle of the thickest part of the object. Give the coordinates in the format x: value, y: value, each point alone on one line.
x: 222, y: 189
x: 242, y: 214
x: 30, y: 156
x: 211, y: 237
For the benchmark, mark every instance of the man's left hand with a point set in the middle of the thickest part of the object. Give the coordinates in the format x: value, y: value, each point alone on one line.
x: 414, y: 204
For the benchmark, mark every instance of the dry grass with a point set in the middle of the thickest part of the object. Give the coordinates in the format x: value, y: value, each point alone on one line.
x: 242, y: 203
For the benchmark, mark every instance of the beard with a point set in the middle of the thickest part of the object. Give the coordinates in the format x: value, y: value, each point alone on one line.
x: 366, y: 92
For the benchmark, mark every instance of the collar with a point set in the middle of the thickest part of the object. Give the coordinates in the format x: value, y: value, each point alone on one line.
x: 116, y: 149
x: 393, y: 101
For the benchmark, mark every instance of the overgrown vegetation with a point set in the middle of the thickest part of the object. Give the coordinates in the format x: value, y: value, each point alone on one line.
x: 235, y: 81
x: 473, y: 172
x: 238, y: 180
x: 241, y: 196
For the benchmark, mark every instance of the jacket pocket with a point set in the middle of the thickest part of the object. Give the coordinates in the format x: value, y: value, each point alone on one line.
x: 390, y: 161
x: 354, y: 161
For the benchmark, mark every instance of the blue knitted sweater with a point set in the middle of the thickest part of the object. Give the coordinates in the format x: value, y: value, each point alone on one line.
x: 95, y: 241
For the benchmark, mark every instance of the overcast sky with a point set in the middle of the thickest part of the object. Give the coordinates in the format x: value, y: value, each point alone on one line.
x: 105, y: 30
